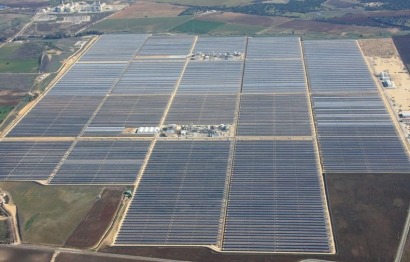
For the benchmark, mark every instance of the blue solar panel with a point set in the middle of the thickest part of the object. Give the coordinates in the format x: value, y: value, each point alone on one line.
x: 180, y: 195
x: 275, y: 199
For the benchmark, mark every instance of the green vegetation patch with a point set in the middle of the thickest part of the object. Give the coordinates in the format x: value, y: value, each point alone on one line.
x: 4, y: 234
x: 197, y: 27
x: 236, y: 29
x: 49, y: 214
x: 140, y: 25
x: 4, y: 111
x: 20, y: 58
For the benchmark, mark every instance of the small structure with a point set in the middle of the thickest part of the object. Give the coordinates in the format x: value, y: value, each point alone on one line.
x: 404, y: 114
x: 127, y: 193
x: 385, y: 80
x: 147, y: 130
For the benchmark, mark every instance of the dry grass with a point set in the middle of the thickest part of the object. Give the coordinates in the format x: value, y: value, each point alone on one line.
x: 149, y: 9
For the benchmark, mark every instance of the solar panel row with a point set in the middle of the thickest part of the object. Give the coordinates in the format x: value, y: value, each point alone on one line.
x: 356, y: 133
x: 202, y: 110
x: 337, y: 66
x: 150, y: 77
x: 267, y: 48
x: 211, y: 77
x: 352, y: 115
x: 102, y: 162
x: 119, y: 112
x: 274, y: 76
x: 53, y: 116
x: 30, y: 161
x: 176, y: 46
x: 179, y: 198
x: 274, y: 115
x: 116, y: 47
x: 88, y: 80
x: 220, y: 45
x: 275, y: 202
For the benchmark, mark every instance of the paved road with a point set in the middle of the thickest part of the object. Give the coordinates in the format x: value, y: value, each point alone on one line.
x: 404, y: 236
x: 85, y: 252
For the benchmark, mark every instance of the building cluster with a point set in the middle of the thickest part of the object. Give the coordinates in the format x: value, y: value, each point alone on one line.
x: 78, y: 7
x: 386, y: 80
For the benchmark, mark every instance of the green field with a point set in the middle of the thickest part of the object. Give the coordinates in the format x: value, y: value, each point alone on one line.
x: 236, y: 29
x: 49, y: 214
x: 197, y: 27
x: 140, y: 25
x: 20, y: 58
x: 4, y: 111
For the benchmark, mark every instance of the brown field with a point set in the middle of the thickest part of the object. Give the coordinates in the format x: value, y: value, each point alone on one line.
x: 365, y: 18
x: 11, y: 97
x: 149, y: 9
x: 8, y: 254
x: 329, y: 28
x: 368, y: 213
x: 95, y: 223
x: 383, y: 48
x: 244, y: 19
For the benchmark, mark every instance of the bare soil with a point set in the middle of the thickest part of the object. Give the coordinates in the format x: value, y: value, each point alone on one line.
x: 149, y: 9
x: 67, y: 257
x: 11, y: 97
x: 8, y: 254
x: 97, y: 220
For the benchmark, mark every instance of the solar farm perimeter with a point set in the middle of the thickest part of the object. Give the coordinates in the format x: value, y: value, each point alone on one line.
x: 290, y: 111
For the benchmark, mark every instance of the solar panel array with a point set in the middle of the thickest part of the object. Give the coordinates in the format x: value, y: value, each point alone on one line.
x: 150, y: 77
x: 166, y: 46
x: 275, y: 199
x: 114, y: 47
x: 356, y: 133
x: 220, y: 45
x: 274, y: 115
x: 337, y: 66
x: 273, y: 76
x: 272, y: 197
x: 57, y: 116
x: 352, y: 115
x: 202, y: 110
x: 210, y: 77
x: 179, y: 197
x: 88, y: 79
x: 102, y: 162
x: 30, y: 161
x: 268, y: 48
x: 120, y: 112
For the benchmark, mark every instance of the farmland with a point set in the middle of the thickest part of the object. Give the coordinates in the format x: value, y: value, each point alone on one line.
x: 48, y: 215
x: 97, y: 220
x: 20, y: 254
x: 140, y: 25
x: 197, y: 26
x: 149, y: 9
x: 20, y: 58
